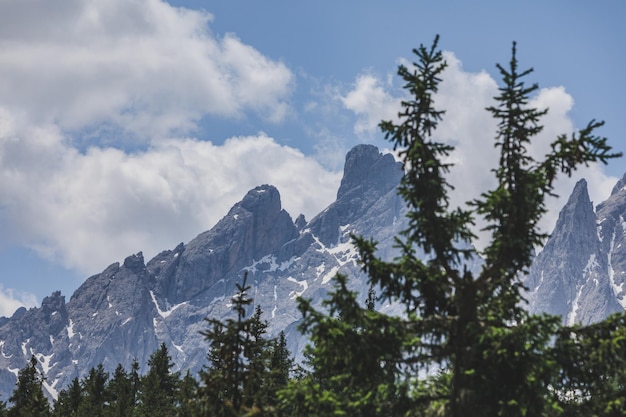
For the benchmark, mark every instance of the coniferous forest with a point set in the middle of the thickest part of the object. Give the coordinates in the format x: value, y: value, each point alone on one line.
x: 464, y: 344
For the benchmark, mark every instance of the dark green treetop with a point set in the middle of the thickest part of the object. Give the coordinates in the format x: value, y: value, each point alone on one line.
x: 28, y: 398
x: 158, y: 394
x: 245, y: 369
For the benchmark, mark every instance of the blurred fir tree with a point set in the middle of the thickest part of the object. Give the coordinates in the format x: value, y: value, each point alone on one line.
x: 464, y: 345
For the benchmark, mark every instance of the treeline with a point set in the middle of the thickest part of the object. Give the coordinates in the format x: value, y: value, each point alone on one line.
x: 246, y: 369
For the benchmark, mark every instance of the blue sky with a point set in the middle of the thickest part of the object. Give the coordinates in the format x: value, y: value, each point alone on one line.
x: 130, y: 126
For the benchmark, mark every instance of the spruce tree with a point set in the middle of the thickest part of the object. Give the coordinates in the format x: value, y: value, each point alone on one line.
x: 238, y: 379
x: 592, y: 368
x: 68, y: 402
x: 120, y: 393
x: 189, y: 406
x: 135, y: 381
x: 28, y: 398
x: 158, y: 396
x: 223, y: 378
x: 3, y: 409
x: 474, y: 324
x: 281, y: 362
x: 95, y: 396
x: 352, y: 361
x: 464, y: 345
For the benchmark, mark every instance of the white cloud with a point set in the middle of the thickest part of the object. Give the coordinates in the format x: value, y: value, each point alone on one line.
x: 468, y: 127
x: 371, y: 103
x: 11, y: 300
x: 142, y: 67
x: 471, y: 129
x: 109, y: 70
x: 89, y: 209
x: 557, y: 122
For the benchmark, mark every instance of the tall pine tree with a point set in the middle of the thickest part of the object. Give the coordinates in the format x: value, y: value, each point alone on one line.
x: 68, y: 402
x: 95, y: 397
x: 158, y: 395
x: 464, y: 345
x: 28, y: 398
x: 121, y: 396
x: 240, y: 378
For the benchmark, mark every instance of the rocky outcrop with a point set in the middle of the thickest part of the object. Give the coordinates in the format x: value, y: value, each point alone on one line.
x: 368, y: 175
x: 612, y: 233
x: 252, y: 229
x: 573, y: 275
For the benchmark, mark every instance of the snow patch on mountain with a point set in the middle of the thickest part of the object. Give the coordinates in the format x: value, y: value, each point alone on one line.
x: 571, y: 318
x: 169, y: 309
x: 618, y: 289
x: 303, y: 284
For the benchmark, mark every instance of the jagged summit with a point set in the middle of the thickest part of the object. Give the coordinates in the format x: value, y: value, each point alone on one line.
x: 573, y: 275
x: 253, y: 228
x: 575, y: 229
x: 135, y: 263
x: 368, y: 176
x: 365, y: 169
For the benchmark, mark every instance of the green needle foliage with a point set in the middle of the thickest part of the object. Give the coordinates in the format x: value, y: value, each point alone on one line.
x: 245, y: 368
x: 464, y: 346
x: 159, y: 392
x: 28, y: 398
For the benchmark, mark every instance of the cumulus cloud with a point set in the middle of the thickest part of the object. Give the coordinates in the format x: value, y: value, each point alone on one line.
x: 557, y: 122
x: 88, y: 209
x: 141, y: 67
x: 471, y: 130
x: 371, y: 103
x: 11, y: 300
x: 104, y: 71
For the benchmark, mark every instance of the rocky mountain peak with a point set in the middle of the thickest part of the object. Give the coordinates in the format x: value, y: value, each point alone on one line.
x: 576, y: 226
x: 264, y: 200
x: 53, y: 303
x: 368, y: 176
x: 613, y: 209
x: 366, y: 167
x: 135, y: 263
x: 254, y: 227
x: 571, y: 276
x: 300, y: 222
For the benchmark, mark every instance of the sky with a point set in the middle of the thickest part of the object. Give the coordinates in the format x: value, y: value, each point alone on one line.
x: 134, y: 125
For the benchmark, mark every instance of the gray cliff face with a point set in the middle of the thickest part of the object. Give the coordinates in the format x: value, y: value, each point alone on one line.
x: 573, y: 275
x: 33, y: 332
x: 108, y: 320
x: 126, y: 311
x: 113, y: 311
x: 253, y: 228
x: 612, y: 233
x: 368, y: 175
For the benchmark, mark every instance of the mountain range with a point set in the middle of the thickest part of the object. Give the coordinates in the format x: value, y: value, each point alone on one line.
x: 129, y: 309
